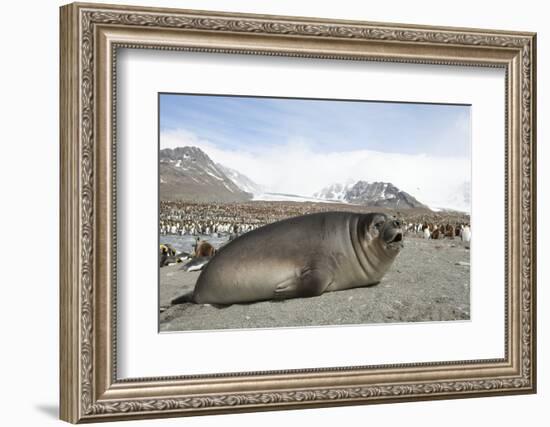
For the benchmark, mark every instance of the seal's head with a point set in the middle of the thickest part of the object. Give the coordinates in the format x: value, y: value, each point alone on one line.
x: 386, y: 230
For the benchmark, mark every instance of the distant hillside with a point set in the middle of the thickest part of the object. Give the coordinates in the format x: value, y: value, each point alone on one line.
x: 240, y: 180
x: 334, y: 192
x: 379, y: 194
x: 187, y: 173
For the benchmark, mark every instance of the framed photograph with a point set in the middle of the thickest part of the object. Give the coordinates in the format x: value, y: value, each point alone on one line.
x: 267, y: 212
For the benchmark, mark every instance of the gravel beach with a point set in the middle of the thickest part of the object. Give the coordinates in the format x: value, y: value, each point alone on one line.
x: 429, y: 281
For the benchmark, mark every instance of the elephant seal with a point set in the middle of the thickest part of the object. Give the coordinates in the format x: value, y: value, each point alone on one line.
x: 303, y: 256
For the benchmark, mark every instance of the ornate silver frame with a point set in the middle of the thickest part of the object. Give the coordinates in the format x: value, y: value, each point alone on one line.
x: 90, y: 36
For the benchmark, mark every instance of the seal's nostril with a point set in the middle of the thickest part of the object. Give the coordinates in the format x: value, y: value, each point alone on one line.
x: 397, y: 223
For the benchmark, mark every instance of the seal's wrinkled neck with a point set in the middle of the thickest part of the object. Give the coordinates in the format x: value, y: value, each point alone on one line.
x: 375, y: 245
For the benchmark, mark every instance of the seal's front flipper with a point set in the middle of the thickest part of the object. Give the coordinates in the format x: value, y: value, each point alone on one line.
x: 310, y: 282
x: 187, y: 297
x: 286, y: 289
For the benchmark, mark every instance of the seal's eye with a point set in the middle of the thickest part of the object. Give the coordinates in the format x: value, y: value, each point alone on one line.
x: 379, y: 225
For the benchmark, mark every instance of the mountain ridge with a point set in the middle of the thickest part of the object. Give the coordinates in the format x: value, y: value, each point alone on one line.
x: 378, y: 194
x: 189, y: 174
x: 241, y: 180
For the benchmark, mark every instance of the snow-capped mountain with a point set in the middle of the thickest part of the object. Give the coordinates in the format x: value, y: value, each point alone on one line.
x: 380, y: 194
x: 336, y: 192
x: 240, y: 180
x: 187, y: 173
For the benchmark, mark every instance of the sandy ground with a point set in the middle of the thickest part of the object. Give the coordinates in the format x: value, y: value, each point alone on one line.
x: 429, y: 281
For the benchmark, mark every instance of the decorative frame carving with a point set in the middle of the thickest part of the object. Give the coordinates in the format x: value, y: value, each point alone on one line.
x: 90, y: 36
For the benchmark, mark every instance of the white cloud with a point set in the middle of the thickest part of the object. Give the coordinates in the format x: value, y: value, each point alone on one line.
x: 296, y: 168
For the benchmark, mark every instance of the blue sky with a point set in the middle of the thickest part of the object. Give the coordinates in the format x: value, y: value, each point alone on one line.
x: 246, y: 123
x: 297, y: 146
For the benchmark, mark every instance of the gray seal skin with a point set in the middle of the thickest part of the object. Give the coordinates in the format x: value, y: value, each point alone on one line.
x: 303, y: 256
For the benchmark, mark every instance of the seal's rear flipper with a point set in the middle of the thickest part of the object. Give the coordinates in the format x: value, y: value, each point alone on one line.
x: 187, y: 297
